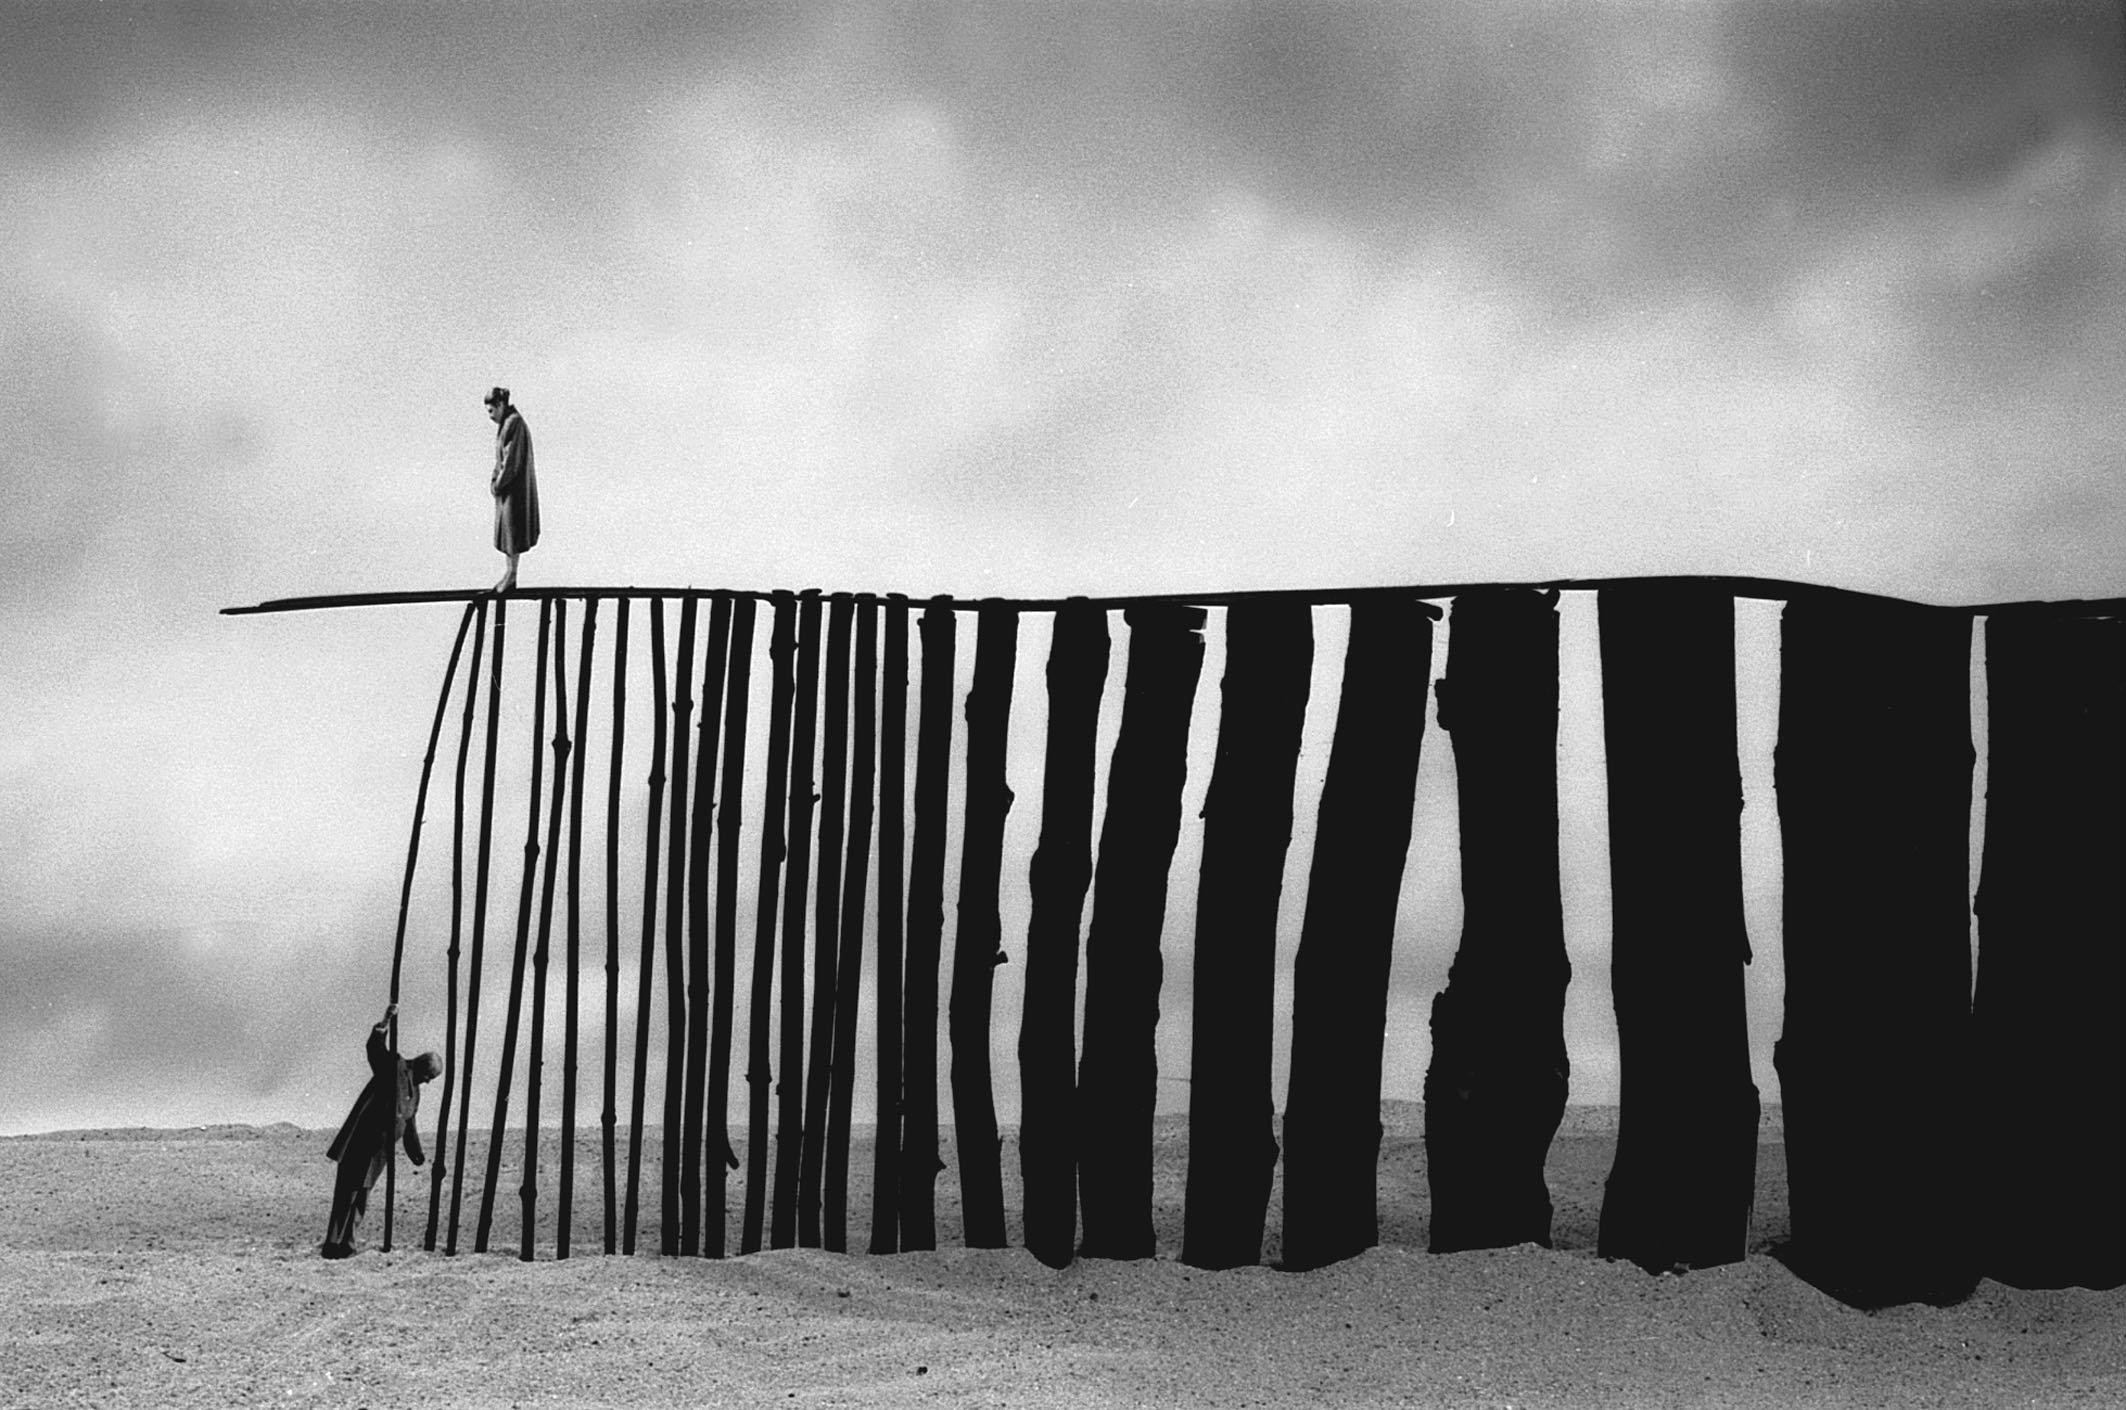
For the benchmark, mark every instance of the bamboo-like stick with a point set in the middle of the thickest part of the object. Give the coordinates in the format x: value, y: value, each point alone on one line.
x: 926, y: 929
x: 789, y: 1088
x: 567, y: 1194
x: 535, y: 1056
x: 738, y: 679
x: 479, y: 918
x: 522, y: 952
x: 826, y: 920
x: 647, y: 968
x: 697, y: 1045
x: 848, y: 968
x: 1119, y: 1070
x: 1061, y: 874
x: 437, y: 1163
x: 978, y: 946
x: 609, y: 1118
x: 413, y: 852
x: 780, y: 650
x: 675, y: 881
x: 1347, y: 937
x: 524, y: 936
x: 677, y: 781
x: 1247, y: 810
x: 892, y: 806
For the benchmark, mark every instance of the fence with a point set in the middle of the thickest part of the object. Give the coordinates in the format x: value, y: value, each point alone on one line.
x: 1883, y: 1060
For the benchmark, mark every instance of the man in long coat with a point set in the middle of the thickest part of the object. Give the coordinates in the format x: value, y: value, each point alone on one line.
x: 381, y: 1117
x: 514, y: 486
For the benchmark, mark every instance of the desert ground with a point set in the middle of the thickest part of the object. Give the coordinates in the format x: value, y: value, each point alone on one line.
x: 163, y: 1268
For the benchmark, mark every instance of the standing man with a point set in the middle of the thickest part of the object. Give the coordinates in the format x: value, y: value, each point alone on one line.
x: 381, y: 1117
x: 515, y: 489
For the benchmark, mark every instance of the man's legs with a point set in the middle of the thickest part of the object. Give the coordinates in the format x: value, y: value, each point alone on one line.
x: 508, y: 579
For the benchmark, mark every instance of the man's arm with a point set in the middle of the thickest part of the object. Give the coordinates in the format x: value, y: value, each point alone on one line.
x: 379, y: 1046
x: 509, y: 466
x: 412, y: 1142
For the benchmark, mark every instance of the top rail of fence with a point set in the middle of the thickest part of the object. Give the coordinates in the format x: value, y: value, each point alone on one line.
x: 1774, y: 589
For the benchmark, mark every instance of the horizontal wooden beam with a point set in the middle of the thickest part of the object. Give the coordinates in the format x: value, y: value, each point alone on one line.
x: 1771, y: 589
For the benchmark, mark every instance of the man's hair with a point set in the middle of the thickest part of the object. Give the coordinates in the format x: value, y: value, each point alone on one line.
x: 498, y: 397
x: 426, y: 1067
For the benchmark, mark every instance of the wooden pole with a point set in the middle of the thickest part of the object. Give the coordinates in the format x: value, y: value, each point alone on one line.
x: 535, y: 1058
x: 567, y: 1195
x: 1232, y: 1150
x: 413, y: 852
x: 670, y: 1142
x: 848, y: 969
x: 1874, y: 778
x: 1680, y: 1192
x: 712, y: 669
x: 780, y: 649
x: 2050, y: 966
x: 610, y: 1117
x: 1496, y: 1088
x: 1119, y: 1071
x: 438, y: 1162
x: 1347, y: 936
x: 789, y: 1088
x: 892, y: 804
x: 926, y: 932
x: 826, y: 919
x: 1061, y: 874
x: 978, y: 940
x: 522, y: 952
x: 479, y: 919
x: 738, y: 684
x: 646, y: 966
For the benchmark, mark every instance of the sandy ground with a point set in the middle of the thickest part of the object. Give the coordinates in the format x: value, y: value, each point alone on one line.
x: 150, y: 1268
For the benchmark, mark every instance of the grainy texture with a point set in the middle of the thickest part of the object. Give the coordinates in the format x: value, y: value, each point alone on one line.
x: 179, y: 1268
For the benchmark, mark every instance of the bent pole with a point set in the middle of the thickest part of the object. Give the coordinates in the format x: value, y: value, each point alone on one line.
x: 413, y: 852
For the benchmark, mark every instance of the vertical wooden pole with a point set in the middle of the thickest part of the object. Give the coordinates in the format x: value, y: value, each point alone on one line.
x: 438, y: 1162
x: 697, y: 1048
x: 848, y: 970
x: 978, y: 946
x: 646, y: 967
x: 479, y: 920
x: 826, y: 919
x: 1684, y: 1180
x: 672, y: 1157
x: 1247, y: 812
x: 413, y: 852
x: 610, y: 1117
x: 1061, y: 874
x: 2050, y: 965
x: 522, y: 952
x: 925, y: 937
x: 1495, y: 1091
x: 738, y: 684
x: 567, y: 1193
x: 1874, y: 777
x: 1347, y: 935
x: 1119, y: 1070
x: 781, y: 647
x: 892, y: 806
x: 789, y: 1088
x: 535, y: 1057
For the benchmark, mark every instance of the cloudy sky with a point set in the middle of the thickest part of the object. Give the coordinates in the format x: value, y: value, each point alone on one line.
x: 987, y: 299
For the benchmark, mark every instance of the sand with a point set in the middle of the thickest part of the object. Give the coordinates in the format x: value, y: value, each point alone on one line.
x: 156, y: 1268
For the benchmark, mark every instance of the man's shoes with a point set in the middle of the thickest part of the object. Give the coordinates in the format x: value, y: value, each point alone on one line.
x: 337, y: 1250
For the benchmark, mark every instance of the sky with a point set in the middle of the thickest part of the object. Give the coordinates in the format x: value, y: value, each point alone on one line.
x: 1025, y: 300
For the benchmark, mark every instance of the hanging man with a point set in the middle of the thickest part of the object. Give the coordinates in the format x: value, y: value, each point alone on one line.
x: 513, y: 485
x: 381, y: 1117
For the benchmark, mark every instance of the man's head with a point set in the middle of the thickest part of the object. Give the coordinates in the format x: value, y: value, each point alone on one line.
x: 425, y: 1068
x: 498, y: 404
